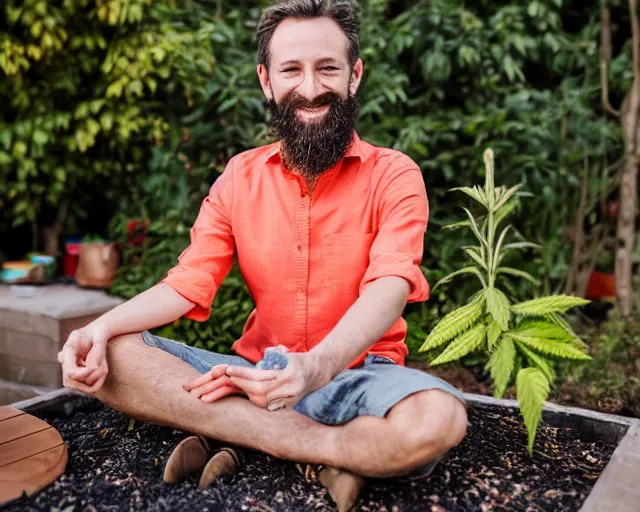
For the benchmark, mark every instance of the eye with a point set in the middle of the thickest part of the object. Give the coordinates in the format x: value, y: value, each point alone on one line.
x: 289, y: 70
x: 329, y: 68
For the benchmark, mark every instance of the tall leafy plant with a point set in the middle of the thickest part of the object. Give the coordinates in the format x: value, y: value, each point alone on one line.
x: 524, y: 340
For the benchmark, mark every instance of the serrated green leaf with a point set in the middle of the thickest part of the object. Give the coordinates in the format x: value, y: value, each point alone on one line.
x: 506, y: 210
x: 498, y: 306
x: 464, y: 223
x: 474, y: 227
x: 521, y: 245
x: 493, y: 334
x: 552, y: 347
x: 471, y: 192
x: 501, y: 364
x: 454, y: 323
x: 546, y: 305
x: 536, y: 328
x: 557, y: 319
x: 474, y: 254
x: 464, y: 344
x: 538, y: 361
x: 498, y: 248
x: 533, y: 390
x: 518, y: 273
x: 482, y: 195
x: 507, y: 195
x: 466, y: 270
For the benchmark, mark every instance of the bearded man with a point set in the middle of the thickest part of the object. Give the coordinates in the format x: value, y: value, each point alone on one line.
x: 328, y: 231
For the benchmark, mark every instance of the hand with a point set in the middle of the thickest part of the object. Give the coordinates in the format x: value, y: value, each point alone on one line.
x: 213, y: 385
x: 281, y: 388
x: 83, y: 358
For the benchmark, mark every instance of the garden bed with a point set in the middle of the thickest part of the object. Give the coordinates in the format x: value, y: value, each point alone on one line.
x: 114, y: 465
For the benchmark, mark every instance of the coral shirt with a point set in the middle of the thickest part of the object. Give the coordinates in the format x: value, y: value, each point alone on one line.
x: 306, y: 257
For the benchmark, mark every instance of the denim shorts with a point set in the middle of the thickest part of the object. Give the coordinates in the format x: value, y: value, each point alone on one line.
x: 371, y: 389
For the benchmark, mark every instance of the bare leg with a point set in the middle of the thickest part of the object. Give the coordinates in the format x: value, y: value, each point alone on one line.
x: 146, y: 383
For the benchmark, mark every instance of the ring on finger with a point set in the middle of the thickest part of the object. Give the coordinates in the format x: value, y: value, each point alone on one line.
x: 274, y: 406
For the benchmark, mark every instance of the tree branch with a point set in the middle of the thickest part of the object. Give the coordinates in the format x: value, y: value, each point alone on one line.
x: 635, y: 35
x: 605, y: 58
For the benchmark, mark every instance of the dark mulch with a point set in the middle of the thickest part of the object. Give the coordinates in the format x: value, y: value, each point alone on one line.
x: 114, y: 468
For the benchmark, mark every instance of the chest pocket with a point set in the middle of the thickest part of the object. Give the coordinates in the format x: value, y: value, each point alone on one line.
x: 345, y: 260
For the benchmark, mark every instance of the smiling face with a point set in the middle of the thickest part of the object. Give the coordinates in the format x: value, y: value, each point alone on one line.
x: 311, y: 90
x: 308, y: 58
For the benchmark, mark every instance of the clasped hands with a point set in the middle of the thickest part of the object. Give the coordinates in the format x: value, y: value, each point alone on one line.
x: 269, y: 389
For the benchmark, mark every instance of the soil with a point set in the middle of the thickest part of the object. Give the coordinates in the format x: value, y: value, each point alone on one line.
x: 569, y: 392
x: 117, y: 465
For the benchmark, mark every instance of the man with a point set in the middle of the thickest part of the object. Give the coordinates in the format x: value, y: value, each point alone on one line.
x: 328, y: 231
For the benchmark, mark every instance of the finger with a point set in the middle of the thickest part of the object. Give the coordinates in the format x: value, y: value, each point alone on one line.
x: 219, y: 393
x: 82, y: 373
x: 95, y: 375
x: 211, y: 386
x: 256, y: 388
x: 281, y: 393
x: 97, y: 385
x: 97, y: 353
x: 74, y: 384
x: 69, y: 360
x: 60, y: 357
x: 252, y: 373
x: 215, y: 372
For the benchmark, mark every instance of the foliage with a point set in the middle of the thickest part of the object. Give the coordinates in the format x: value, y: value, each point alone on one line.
x: 442, y: 78
x: 522, y: 340
x: 82, y: 102
x: 611, y: 382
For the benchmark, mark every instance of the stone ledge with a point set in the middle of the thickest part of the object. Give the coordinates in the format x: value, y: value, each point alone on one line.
x: 13, y: 392
x: 59, y: 301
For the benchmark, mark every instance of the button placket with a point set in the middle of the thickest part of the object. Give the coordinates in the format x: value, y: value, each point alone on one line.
x: 301, y: 269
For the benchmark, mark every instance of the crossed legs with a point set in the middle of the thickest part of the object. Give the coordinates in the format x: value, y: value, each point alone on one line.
x: 146, y: 383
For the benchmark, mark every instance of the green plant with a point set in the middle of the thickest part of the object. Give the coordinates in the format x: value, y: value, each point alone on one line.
x: 523, y: 340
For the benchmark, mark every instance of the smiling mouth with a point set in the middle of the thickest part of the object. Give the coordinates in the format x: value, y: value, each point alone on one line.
x: 313, y: 112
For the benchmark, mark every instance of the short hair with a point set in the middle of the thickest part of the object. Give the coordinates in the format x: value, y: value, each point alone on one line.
x: 341, y: 11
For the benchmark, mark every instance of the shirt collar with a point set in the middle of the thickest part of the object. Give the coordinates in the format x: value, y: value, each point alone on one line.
x: 356, y: 150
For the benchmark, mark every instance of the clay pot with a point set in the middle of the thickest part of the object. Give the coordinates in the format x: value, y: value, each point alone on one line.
x: 97, y: 265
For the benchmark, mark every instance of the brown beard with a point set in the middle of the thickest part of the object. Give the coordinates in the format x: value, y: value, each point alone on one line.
x: 312, y: 147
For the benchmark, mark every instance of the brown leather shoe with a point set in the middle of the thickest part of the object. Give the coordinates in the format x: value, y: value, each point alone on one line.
x: 344, y: 487
x: 189, y: 457
x: 225, y: 462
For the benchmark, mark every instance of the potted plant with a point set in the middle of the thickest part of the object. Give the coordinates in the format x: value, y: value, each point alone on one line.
x: 98, y: 261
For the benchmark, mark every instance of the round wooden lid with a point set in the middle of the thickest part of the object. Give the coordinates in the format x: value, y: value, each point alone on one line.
x: 32, y: 454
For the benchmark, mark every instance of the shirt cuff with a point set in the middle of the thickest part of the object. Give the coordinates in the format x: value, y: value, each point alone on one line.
x: 199, y: 289
x: 411, y: 273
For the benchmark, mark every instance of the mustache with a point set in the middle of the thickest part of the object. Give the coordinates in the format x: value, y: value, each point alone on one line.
x: 295, y: 101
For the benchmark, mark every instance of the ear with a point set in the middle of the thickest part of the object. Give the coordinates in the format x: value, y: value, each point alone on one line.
x: 265, y: 83
x: 356, y: 77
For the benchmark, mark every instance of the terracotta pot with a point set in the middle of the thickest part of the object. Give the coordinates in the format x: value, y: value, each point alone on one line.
x: 601, y: 285
x: 97, y: 265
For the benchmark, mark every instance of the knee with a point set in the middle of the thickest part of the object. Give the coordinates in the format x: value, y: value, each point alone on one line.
x: 435, y: 423
x: 119, y: 345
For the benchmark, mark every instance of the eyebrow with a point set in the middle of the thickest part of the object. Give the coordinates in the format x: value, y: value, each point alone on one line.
x: 327, y: 60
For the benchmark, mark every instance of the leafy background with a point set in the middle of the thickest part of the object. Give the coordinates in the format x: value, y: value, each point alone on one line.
x: 129, y: 109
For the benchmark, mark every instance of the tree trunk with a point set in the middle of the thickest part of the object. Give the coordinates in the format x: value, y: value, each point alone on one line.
x: 625, y: 232
x: 52, y: 233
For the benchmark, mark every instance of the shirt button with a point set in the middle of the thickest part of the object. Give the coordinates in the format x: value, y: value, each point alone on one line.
x: 299, y: 248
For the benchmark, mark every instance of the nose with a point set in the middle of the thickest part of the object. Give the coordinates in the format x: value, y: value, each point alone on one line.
x: 310, y: 88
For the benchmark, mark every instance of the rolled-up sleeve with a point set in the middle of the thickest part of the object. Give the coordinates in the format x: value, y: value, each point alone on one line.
x: 398, y: 247
x: 205, y: 263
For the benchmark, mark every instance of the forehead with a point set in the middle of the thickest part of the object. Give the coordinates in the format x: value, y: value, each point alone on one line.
x: 308, y: 39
